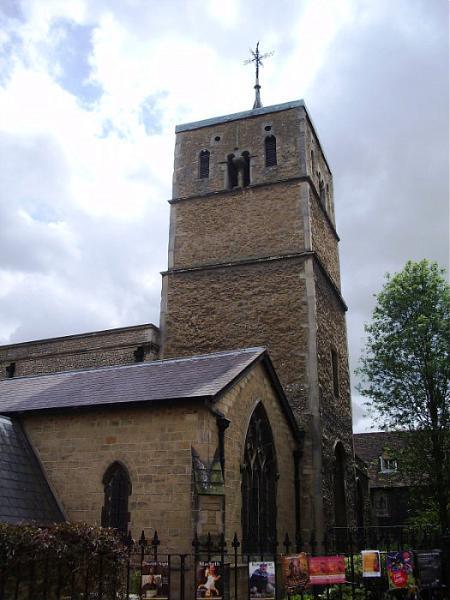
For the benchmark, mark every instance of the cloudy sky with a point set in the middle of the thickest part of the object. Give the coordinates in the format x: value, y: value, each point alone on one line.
x: 91, y: 90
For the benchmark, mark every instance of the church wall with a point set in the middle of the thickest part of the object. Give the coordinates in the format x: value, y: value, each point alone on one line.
x: 319, y: 169
x: 97, y: 349
x: 238, y: 225
x: 238, y: 406
x: 288, y: 126
x: 153, y: 443
x: 324, y: 241
x: 259, y: 304
x: 336, y: 415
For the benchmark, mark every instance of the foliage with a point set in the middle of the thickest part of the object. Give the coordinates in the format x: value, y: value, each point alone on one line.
x: 65, y: 541
x: 405, y: 372
x: 66, y: 556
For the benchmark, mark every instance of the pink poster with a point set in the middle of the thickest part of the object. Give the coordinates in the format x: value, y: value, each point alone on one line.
x: 326, y: 570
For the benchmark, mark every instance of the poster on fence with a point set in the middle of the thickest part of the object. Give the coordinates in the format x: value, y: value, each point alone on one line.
x: 371, y: 563
x: 326, y: 570
x: 295, y: 573
x: 429, y: 565
x: 155, y: 580
x: 262, y: 579
x: 210, y: 580
x: 399, y: 567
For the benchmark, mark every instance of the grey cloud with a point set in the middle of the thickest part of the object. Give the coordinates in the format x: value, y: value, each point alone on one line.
x: 382, y: 104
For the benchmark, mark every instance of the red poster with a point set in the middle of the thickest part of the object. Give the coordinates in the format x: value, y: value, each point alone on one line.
x: 326, y: 570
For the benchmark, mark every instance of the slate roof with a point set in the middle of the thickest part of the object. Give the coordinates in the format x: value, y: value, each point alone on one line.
x: 370, y: 446
x: 24, y: 493
x: 184, y: 378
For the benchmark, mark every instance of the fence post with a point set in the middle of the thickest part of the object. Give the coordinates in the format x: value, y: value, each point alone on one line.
x: 287, y: 543
x: 235, y: 543
x: 129, y: 544
x: 155, y: 544
x: 182, y: 576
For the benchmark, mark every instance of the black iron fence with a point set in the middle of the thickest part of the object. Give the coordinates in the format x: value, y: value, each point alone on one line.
x: 219, y: 569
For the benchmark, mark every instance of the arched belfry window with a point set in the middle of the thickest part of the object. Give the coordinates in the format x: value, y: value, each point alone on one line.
x: 259, y: 477
x: 271, y: 150
x: 117, y: 488
x: 203, y: 170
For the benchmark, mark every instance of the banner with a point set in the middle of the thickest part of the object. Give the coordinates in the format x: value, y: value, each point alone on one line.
x: 155, y: 580
x: 326, y: 570
x: 209, y: 580
x: 295, y: 573
x: 399, y: 567
x: 430, y: 568
x: 371, y: 563
x: 262, y: 579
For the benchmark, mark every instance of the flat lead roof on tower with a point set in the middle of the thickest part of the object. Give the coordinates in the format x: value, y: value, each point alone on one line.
x: 240, y: 115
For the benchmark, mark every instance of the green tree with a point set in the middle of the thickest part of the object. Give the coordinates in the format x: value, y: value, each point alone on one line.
x: 405, y: 371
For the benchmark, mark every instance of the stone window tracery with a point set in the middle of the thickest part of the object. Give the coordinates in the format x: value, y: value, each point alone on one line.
x: 259, y: 476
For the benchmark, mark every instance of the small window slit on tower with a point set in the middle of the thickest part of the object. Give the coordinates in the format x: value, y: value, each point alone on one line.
x: 204, y: 164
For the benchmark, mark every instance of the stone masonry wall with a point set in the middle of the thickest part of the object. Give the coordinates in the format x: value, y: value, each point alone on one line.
x: 324, y: 241
x: 287, y: 126
x: 97, y: 349
x: 154, y: 443
x: 238, y: 406
x: 336, y: 415
x: 243, y: 224
x: 259, y: 304
x: 320, y: 170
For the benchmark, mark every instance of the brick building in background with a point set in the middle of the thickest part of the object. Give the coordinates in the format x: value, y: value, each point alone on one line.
x: 253, y: 262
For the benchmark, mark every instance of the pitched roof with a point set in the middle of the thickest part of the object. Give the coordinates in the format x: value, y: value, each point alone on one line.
x: 370, y: 446
x: 24, y: 493
x: 183, y: 378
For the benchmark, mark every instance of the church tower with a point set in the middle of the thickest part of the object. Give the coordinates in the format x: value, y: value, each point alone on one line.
x: 253, y: 261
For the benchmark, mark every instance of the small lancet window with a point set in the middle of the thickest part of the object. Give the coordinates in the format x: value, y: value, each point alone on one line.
x: 117, y: 489
x: 271, y: 150
x: 313, y: 166
x: 203, y: 171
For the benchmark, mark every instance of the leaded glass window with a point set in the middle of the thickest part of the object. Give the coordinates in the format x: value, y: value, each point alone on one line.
x: 259, y: 477
x: 117, y: 488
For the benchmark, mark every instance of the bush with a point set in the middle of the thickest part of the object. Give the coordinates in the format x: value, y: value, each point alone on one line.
x: 66, y: 556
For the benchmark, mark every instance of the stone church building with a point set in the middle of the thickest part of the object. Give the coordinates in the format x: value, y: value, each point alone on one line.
x: 235, y: 413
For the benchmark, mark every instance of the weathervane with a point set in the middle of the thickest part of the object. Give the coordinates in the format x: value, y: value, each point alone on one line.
x: 257, y: 59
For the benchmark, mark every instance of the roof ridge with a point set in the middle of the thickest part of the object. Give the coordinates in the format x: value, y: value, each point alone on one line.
x: 148, y: 363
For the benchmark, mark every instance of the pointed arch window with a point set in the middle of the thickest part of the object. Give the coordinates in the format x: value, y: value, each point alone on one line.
x: 271, y: 150
x: 203, y: 171
x: 117, y: 489
x: 259, y: 476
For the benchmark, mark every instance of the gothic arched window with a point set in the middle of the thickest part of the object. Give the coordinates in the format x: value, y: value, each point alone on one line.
x: 203, y: 170
x: 259, y: 476
x: 117, y: 488
x: 271, y: 150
